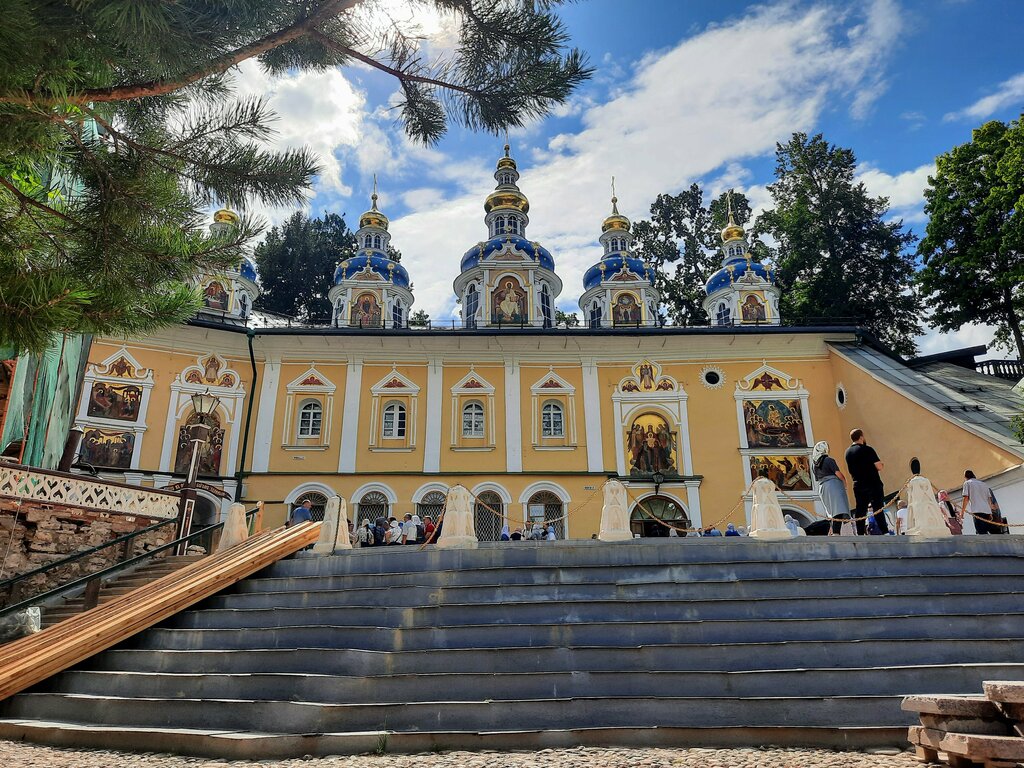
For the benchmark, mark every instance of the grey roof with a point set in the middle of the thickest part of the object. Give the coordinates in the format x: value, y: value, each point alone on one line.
x: 983, y: 404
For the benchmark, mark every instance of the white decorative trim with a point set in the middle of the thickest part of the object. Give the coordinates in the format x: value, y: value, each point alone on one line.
x: 539, y: 393
x: 266, y: 408
x: 506, y: 497
x: 592, y: 417
x: 322, y: 393
x: 513, y: 422
x: 461, y: 395
x: 362, y: 490
x: 841, y: 404
x: 712, y: 369
x: 544, y: 485
x: 426, y: 488
x: 298, y: 491
x: 350, y: 419
x: 432, y: 438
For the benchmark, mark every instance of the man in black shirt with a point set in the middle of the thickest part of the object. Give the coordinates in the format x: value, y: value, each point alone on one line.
x: 864, y: 466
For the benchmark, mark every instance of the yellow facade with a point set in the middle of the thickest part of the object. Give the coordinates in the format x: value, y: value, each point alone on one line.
x: 522, y: 413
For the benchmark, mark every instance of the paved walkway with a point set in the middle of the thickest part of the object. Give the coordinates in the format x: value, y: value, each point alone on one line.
x: 18, y: 755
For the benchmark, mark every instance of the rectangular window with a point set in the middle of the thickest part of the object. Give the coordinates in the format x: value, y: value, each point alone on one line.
x: 310, y: 419
x: 394, y: 421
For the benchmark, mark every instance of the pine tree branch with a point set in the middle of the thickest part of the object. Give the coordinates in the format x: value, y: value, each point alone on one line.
x: 26, y: 200
x: 396, y: 73
x: 161, y: 87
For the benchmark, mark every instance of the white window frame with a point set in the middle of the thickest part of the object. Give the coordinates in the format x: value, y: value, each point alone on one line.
x: 396, y: 412
x: 315, y: 412
x: 548, y: 421
x: 475, y: 410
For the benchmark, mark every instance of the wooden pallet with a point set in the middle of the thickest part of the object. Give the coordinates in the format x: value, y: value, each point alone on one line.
x: 32, y: 659
x: 966, y: 731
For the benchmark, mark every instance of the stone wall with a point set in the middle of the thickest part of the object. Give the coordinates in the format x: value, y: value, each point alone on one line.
x: 33, y: 535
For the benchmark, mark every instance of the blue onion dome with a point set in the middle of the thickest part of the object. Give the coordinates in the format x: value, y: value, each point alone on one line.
x: 247, y: 269
x: 531, y: 250
x: 371, y: 266
x: 627, y: 267
x: 734, y: 270
x: 373, y: 217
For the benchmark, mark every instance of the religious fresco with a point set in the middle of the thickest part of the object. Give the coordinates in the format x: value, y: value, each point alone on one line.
x: 114, y: 401
x: 774, y: 424
x: 366, y: 311
x: 210, y: 456
x: 752, y: 309
x: 651, y: 446
x: 214, y: 296
x: 626, y: 310
x: 789, y: 473
x: 103, y: 448
x: 508, y: 302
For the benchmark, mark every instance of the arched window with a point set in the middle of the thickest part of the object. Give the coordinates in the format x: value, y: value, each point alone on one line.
x: 545, y: 507
x: 377, y: 242
x: 319, y: 502
x: 431, y: 505
x: 595, y: 314
x: 647, y: 513
x: 545, y: 306
x: 488, y: 516
x: 396, y: 313
x: 513, y: 226
x: 339, y: 312
x: 394, y: 420
x: 472, y: 305
x: 552, y: 420
x: 499, y: 225
x: 723, y: 316
x: 473, y: 419
x: 243, y: 305
x: 506, y: 178
x: 374, y: 504
x: 311, y: 416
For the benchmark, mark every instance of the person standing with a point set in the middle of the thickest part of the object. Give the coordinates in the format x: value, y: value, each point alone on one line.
x: 977, y: 501
x: 301, y: 514
x: 831, y: 485
x: 409, y: 530
x: 864, y: 466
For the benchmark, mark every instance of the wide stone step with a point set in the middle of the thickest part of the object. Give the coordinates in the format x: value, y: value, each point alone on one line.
x: 735, y: 656
x: 277, y: 579
x: 514, y: 684
x: 557, y: 611
x: 492, y: 714
x: 750, y: 589
x: 643, y: 552
x: 592, y: 633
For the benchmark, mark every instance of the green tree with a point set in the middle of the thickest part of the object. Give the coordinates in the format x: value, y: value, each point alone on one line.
x: 296, y: 264
x: 837, y: 257
x: 973, y: 249
x: 571, y: 319
x: 684, y: 232
x: 419, y: 319
x: 118, y: 130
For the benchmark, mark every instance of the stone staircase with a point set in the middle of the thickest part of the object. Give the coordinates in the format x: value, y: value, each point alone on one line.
x: 117, y: 586
x: 540, y: 644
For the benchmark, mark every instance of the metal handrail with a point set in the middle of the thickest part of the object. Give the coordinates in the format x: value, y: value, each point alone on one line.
x: 82, y: 581
x: 7, y: 583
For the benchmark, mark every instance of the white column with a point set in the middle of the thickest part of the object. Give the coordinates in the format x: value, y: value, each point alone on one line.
x: 350, y: 417
x: 693, y: 502
x: 170, y: 432
x: 513, y: 420
x: 432, y: 440
x: 237, y: 422
x: 592, y: 417
x: 266, y: 408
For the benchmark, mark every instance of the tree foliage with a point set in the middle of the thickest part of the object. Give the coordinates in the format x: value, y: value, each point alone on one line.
x: 118, y: 131
x: 296, y: 264
x: 973, y: 249
x: 419, y: 319
x: 570, y: 319
x: 837, y: 256
x: 686, y: 233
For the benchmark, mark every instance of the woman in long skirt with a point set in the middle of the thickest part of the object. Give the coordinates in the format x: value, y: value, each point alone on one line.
x: 831, y: 483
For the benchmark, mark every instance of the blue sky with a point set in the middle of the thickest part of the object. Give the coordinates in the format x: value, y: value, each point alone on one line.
x: 683, y: 92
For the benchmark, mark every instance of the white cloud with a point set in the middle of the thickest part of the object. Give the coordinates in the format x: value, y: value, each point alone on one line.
x: 934, y: 341
x: 904, y: 190
x: 720, y: 97
x: 1009, y: 93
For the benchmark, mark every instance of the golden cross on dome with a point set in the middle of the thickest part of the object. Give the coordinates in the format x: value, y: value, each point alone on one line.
x: 507, y: 147
x: 728, y: 197
x: 615, y: 200
x: 373, y: 197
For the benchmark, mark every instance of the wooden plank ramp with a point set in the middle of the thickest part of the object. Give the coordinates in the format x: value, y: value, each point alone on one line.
x: 32, y: 659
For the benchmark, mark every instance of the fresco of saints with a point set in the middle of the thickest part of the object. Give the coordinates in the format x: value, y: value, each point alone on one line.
x: 509, y: 303
x: 625, y: 311
x: 366, y: 311
x: 646, y: 375
x: 753, y: 310
x: 215, y: 297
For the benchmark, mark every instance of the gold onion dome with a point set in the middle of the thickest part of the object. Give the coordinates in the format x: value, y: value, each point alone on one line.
x: 506, y: 200
x: 506, y: 161
x: 732, y: 231
x: 616, y: 220
x: 224, y: 216
x: 373, y: 217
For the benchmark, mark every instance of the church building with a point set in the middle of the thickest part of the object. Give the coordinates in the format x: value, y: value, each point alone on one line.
x: 531, y: 417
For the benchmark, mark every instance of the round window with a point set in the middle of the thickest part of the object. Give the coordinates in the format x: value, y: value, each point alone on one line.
x: 841, y: 396
x: 712, y: 377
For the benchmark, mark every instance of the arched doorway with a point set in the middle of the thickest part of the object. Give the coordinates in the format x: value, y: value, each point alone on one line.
x: 664, y: 509
x: 319, y: 502
x: 204, y: 514
x: 374, y: 504
x: 488, y: 516
x: 545, y: 507
x: 430, y: 505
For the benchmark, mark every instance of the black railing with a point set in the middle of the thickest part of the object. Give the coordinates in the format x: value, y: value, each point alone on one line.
x: 126, y: 543
x: 1011, y: 370
x: 97, y: 577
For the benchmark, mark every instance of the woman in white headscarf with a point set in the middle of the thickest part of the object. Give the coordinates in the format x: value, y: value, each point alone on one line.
x: 831, y: 483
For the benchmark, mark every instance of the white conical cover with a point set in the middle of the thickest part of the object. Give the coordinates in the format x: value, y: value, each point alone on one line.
x: 924, y: 516
x: 334, y: 529
x: 235, y: 530
x: 615, y: 513
x: 457, y: 531
x: 766, y: 521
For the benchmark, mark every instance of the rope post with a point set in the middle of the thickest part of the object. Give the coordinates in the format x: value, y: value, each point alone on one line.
x: 614, y: 513
x: 766, y: 521
x: 458, y: 531
x: 334, y: 530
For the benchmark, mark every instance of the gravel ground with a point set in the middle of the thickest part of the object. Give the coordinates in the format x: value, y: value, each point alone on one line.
x: 20, y: 755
